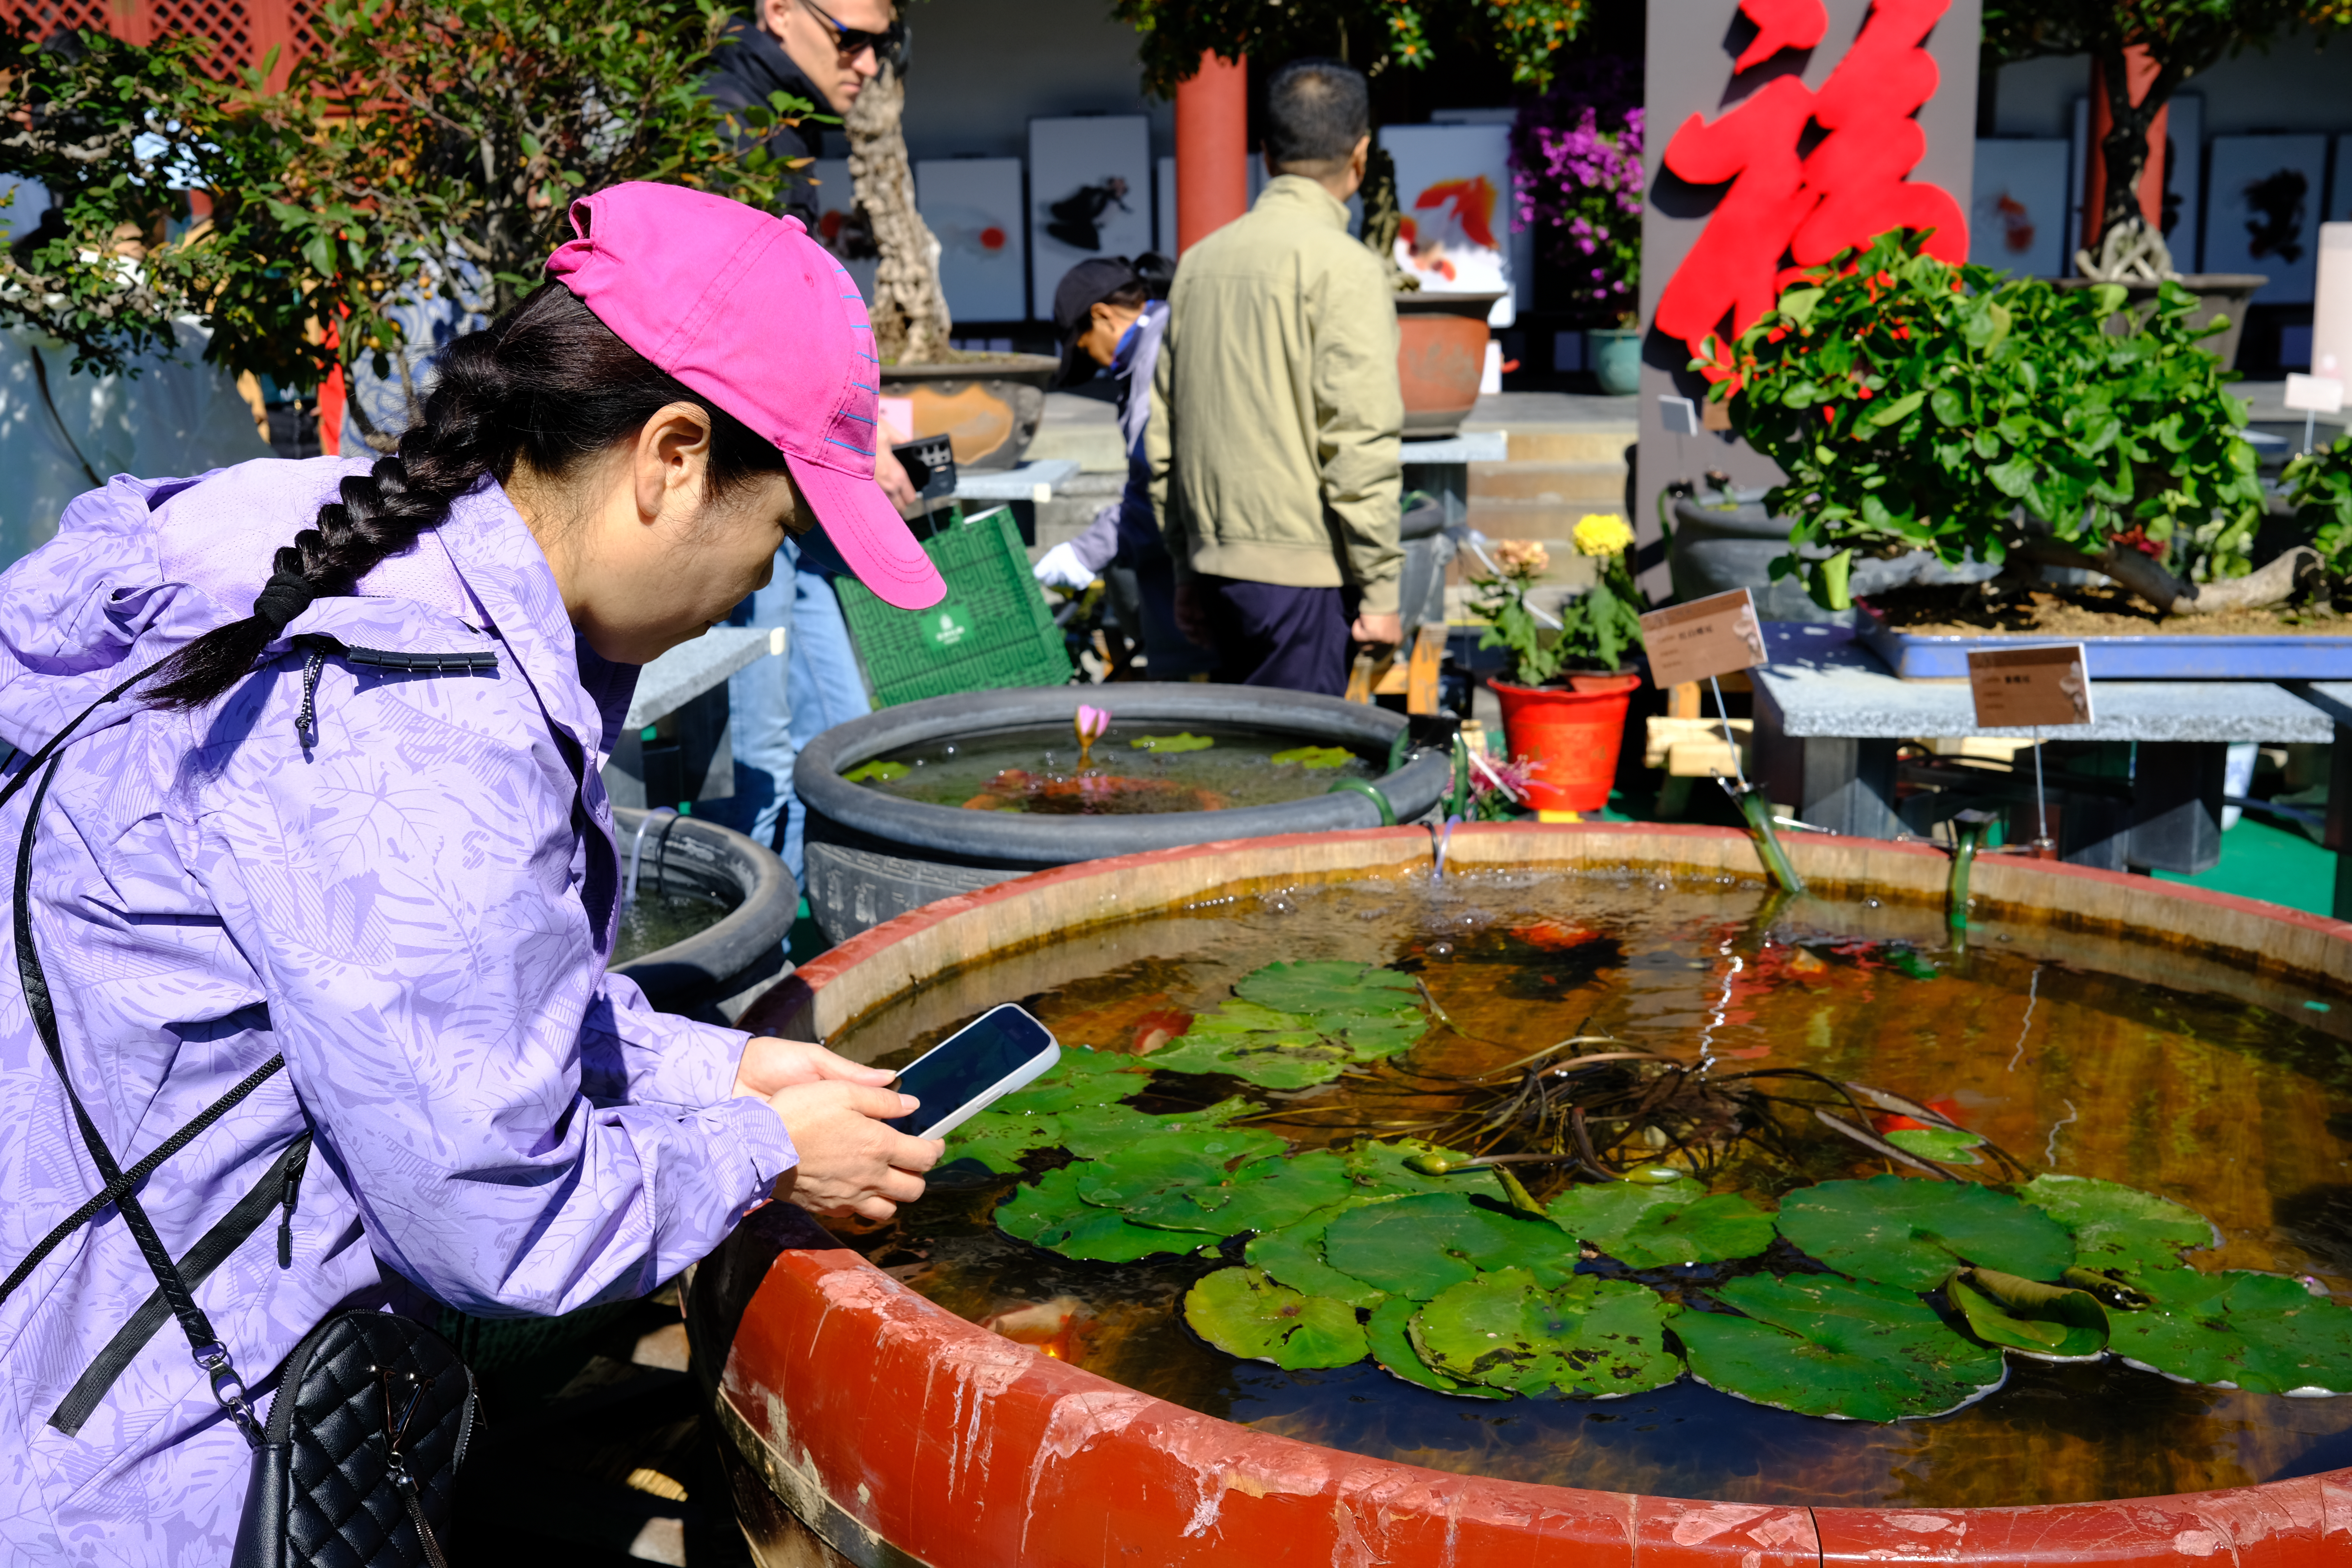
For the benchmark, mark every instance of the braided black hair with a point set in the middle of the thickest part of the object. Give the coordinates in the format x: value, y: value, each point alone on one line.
x: 547, y: 383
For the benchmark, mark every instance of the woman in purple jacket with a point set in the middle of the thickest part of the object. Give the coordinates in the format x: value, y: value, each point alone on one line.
x: 354, y: 819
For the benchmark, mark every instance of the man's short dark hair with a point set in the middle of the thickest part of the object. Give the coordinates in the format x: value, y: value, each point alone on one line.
x: 1316, y: 112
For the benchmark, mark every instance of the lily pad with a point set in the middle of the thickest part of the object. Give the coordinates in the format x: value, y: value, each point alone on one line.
x: 1387, y: 1166
x: 1095, y: 1132
x: 1820, y: 1345
x: 1291, y: 1025
x: 1199, y: 1156
x: 2115, y: 1226
x: 1186, y: 742
x: 1591, y: 1337
x: 1949, y: 1145
x: 877, y: 771
x: 1244, y: 1313
x: 1286, y: 1058
x: 2261, y: 1332
x: 1000, y: 1142
x: 1263, y: 1195
x: 1083, y: 1076
x: 1658, y: 1226
x: 1328, y: 985
x: 1418, y: 1246
x: 1294, y: 1254
x: 2048, y: 1322
x: 1050, y: 1213
x: 1903, y: 1232
x: 1316, y: 756
x: 1390, y: 1337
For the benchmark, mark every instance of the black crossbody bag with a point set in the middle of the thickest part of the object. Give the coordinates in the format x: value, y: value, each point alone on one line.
x: 358, y: 1463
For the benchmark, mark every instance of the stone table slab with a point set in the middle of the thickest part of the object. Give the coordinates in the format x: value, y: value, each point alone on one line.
x: 689, y: 669
x: 1032, y: 481
x: 1821, y: 683
x: 1469, y: 447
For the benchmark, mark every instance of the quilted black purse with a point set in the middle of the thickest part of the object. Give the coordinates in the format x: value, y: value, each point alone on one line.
x: 357, y: 1465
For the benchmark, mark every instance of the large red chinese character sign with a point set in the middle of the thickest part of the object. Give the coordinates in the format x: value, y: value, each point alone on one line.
x: 1787, y: 208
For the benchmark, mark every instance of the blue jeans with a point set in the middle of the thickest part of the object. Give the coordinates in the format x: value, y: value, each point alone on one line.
x: 777, y: 711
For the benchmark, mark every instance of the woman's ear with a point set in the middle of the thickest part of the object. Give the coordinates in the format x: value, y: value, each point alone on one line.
x: 672, y: 460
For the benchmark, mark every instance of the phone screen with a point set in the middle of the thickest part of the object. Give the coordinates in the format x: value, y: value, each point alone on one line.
x: 968, y: 1064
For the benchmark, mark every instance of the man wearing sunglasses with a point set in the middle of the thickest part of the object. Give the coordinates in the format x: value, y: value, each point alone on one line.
x: 824, y: 54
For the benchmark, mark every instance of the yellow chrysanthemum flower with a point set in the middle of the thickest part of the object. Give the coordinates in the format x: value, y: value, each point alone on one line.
x: 1601, y: 533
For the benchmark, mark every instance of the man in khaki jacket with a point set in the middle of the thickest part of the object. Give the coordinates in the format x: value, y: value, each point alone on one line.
x: 1276, y: 410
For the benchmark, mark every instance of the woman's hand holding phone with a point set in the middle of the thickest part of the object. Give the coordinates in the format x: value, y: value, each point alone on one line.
x: 835, y: 1110
x: 770, y: 1064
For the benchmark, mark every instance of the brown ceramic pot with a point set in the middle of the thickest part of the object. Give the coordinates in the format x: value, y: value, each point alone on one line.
x: 1440, y: 353
x: 988, y: 409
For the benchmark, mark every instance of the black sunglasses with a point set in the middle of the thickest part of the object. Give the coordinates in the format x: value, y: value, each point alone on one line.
x: 887, y: 45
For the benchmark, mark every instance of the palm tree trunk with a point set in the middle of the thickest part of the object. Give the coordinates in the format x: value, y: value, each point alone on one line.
x: 910, y: 313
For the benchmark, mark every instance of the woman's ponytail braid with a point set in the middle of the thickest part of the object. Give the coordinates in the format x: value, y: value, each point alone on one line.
x: 379, y: 513
x: 547, y: 383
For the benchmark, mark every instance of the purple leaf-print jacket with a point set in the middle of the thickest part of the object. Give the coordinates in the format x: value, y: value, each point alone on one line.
x: 415, y: 908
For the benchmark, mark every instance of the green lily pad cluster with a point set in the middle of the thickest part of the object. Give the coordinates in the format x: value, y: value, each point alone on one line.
x: 1291, y: 1025
x: 876, y: 772
x: 1185, y: 741
x: 1902, y: 1298
x: 1316, y: 756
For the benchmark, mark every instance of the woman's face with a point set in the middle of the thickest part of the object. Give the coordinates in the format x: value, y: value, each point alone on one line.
x: 645, y: 560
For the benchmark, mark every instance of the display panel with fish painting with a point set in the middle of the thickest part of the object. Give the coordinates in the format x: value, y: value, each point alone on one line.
x: 972, y: 207
x: 1453, y: 183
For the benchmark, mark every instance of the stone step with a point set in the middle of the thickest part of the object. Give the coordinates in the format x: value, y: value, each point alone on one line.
x: 1551, y: 481
x: 1567, y: 443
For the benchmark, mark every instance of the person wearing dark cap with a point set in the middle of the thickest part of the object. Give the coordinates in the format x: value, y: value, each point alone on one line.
x: 1108, y: 319
x: 1276, y: 413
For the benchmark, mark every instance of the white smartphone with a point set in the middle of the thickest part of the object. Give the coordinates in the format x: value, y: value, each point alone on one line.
x: 998, y: 1052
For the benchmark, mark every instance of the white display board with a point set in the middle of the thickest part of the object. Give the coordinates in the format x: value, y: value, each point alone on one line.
x: 2263, y: 206
x: 1453, y: 183
x: 972, y: 207
x: 1089, y: 195
x: 2018, y: 221
x: 836, y: 205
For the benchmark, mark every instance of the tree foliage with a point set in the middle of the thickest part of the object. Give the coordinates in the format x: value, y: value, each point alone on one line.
x: 1524, y: 34
x: 429, y: 146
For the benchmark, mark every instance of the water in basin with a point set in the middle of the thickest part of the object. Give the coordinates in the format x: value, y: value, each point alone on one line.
x: 656, y: 919
x: 1037, y: 770
x: 2078, y: 1058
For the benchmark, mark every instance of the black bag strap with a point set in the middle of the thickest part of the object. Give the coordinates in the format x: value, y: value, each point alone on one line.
x: 211, y: 1250
x: 211, y: 1355
x: 137, y: 1173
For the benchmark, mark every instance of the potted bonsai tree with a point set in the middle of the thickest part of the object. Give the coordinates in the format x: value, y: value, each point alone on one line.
x: 1578, y: 153
x: 2171, y: 41
x: 1914, y: 405
x: 1564, y: 706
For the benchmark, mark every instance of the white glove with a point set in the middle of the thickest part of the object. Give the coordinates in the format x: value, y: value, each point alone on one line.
x: 1061, y: 568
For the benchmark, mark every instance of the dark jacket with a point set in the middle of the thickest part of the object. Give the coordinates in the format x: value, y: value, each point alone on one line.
x: 746, y: 65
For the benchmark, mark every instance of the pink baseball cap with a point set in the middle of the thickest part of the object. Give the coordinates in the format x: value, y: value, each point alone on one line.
x: 753, y: 314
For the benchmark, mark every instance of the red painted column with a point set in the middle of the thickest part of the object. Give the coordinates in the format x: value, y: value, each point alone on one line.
x: 1211, y: 148
x: 2140, y: 66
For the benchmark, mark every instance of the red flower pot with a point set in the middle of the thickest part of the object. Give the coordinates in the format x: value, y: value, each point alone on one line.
x: 1571, y: 736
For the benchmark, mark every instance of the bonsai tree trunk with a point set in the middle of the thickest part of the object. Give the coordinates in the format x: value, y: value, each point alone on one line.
x: 2144, y: 577
x: 910, y: 313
